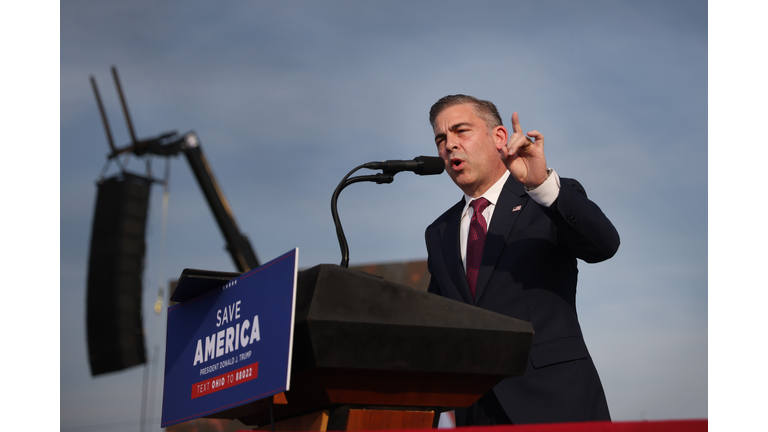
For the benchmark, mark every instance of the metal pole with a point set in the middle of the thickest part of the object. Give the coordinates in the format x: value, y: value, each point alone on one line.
x: 144, y: 396
x: 125, y: 107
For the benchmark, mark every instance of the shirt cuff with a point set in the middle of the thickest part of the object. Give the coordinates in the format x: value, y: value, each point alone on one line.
x: 548, y: 191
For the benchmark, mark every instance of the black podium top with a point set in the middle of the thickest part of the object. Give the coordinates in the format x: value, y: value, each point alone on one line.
x: 361, y: 340
x: 350, y: 319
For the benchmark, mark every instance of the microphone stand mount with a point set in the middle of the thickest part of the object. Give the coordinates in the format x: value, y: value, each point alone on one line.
x: 380, y: 178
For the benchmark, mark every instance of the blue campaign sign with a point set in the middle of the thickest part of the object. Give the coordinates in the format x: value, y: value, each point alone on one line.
x: 231, y: 345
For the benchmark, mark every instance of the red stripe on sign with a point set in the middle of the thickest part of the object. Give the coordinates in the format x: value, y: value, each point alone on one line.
x: 224, y: 381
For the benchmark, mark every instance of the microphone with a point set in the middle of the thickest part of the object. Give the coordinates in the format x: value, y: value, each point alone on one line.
x: 421, y: 165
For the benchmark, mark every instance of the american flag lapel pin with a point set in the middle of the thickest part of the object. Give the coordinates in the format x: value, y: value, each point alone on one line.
x: 517, y: 208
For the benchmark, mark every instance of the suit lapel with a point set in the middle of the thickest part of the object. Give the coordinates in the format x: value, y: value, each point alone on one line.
x: 504, y: 218
x: 451, y: 252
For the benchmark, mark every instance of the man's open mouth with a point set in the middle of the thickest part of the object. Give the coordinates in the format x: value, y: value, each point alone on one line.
x: 456, y: 163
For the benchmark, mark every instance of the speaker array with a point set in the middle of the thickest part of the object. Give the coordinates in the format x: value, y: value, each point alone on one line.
x: 115, y: 268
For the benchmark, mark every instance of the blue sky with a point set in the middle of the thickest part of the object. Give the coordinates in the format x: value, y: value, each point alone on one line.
x: 287, y: 97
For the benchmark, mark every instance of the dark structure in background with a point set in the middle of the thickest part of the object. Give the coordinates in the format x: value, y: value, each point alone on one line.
x: 114, y: 321
x: 409, y: 273
x: 115, y: 268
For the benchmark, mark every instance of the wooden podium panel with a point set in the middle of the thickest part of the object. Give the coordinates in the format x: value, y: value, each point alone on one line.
x: 357, y: 419
x: 316, y: 421
x: 372, y: 419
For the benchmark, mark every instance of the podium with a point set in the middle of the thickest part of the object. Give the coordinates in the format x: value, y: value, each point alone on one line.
x: 372, y: 354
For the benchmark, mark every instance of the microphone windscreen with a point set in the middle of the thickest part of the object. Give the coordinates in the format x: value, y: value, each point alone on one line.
x: 429, y: 165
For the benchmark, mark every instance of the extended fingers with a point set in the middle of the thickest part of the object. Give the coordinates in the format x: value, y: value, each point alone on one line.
x: 516, y: 123
x: 526, y: 145
x: 518, y: 142
x: 536, y: 135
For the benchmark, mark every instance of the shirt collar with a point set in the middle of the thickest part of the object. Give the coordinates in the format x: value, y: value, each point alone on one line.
x: 492, y: 194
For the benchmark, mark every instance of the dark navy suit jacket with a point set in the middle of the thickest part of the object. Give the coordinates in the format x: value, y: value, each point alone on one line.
x: 528, y: 271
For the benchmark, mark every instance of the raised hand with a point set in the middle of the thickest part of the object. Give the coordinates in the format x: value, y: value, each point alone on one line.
x: 523, y: 156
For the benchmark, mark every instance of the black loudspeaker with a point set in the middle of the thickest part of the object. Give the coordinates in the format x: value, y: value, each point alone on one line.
x: 115, y: 268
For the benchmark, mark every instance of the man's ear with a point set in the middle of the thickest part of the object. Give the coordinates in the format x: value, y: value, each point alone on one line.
x: 500, y: 136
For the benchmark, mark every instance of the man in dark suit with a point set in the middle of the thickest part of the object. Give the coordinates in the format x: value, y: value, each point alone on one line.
x: 510, y: 246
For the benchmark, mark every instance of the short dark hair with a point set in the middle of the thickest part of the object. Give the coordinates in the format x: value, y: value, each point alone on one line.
x: 484, y: 109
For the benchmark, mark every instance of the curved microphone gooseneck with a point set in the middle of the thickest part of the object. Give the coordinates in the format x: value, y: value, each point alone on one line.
x: 422, y: 165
